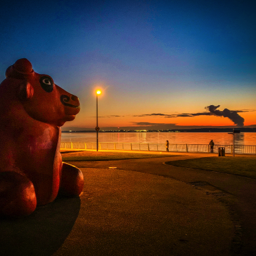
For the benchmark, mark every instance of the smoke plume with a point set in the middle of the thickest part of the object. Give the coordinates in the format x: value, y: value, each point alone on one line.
x: 232, y: 115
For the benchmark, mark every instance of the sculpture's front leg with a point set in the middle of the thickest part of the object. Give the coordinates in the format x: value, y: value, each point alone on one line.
x: 72, y: 180
x: 17, y: 195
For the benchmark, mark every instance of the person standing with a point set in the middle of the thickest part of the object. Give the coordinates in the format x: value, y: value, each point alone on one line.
x: 167, y: 145
x: 211, y: 144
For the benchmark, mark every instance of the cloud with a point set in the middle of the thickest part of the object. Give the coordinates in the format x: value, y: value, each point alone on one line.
x: 201, y: 114
x: 232, y: 115
x: 226, y: 113
x: 109, y: 116
x: 114, y: 116
x: 152, y: 114
x: 145, y: 123
x: 175, y: 115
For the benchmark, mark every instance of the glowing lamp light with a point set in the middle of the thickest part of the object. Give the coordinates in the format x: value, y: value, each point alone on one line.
x: 98, y: 92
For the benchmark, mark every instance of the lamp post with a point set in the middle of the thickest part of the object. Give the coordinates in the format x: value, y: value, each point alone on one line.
x: 233, y: 133
x: 98, y: 92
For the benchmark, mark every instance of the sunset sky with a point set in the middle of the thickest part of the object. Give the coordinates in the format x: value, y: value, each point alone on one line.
x: 159, y: 63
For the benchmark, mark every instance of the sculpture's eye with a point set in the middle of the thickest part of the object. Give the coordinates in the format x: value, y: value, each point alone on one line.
x: 46, y: 83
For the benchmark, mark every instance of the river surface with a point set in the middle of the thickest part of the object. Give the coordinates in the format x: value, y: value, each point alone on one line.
x: 223, y: 138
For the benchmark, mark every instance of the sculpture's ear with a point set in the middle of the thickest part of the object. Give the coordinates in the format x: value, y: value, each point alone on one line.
x: 26, y: 91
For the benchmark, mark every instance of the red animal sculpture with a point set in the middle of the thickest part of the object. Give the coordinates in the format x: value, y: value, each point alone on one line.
x: 32, y: 109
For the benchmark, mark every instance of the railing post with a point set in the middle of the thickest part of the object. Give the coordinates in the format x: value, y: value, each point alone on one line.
x: 131, y: 146
x: 71, y: 145
x: 148, y: 147
x: 186, y: 147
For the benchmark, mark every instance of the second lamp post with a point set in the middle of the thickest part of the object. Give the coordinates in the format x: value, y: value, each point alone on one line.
x: 98, y: 92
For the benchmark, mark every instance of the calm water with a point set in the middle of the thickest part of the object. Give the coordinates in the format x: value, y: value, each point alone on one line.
x: 160, y: 137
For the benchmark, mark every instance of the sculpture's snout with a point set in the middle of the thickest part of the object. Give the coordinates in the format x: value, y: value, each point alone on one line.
x: 70, y: 101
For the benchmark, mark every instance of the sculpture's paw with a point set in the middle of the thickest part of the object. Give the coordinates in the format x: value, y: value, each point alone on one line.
x: 72, y: 180
x: 17, y: 195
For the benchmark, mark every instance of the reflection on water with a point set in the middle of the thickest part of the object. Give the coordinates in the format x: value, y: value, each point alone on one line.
x: 239, y: 138
x: 161, y: 137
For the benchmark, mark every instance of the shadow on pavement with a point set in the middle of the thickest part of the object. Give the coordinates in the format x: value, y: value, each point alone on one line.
x: 41, y: 233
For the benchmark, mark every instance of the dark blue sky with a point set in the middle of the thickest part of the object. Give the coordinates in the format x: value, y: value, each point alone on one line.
x: 169, y: 57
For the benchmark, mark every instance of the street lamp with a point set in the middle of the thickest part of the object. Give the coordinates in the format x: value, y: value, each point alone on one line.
x: 98, y: 92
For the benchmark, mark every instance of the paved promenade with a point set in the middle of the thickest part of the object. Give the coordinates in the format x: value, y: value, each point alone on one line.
x: 142, y: 207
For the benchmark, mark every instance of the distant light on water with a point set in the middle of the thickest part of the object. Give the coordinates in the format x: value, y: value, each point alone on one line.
x: 161, y: 137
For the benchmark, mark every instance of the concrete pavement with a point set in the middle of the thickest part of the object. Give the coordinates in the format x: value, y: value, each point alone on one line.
x: 141, y: 207
x: 131, y: 213
x: 236, y: 193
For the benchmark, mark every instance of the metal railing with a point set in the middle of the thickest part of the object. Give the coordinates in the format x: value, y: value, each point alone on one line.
x: 190, y: 148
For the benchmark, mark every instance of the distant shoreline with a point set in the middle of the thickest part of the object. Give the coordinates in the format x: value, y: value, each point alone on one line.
x: 242, y: 130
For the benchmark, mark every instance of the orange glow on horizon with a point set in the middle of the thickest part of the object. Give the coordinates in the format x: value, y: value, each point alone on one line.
x: 107, y: 120
x: 204, y: 121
